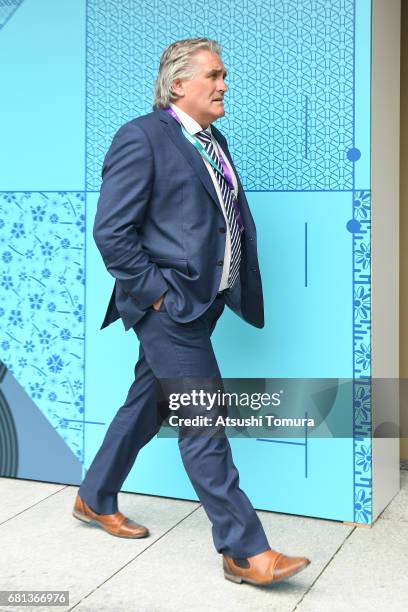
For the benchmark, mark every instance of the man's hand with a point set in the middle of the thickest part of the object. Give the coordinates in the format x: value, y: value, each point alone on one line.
x: 156, y: 305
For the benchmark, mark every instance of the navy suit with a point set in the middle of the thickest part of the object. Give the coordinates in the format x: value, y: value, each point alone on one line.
x: 160, y: 229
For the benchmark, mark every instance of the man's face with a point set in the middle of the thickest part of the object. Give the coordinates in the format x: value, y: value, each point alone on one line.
x: 202, y: 96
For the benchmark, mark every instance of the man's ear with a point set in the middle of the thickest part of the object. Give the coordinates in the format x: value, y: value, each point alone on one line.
x: 177, y: 88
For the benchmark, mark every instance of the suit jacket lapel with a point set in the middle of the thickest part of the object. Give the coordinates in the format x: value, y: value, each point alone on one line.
x: 192, y: 156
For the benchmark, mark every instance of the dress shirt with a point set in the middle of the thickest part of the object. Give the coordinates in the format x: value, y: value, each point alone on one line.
x: 193, y: 127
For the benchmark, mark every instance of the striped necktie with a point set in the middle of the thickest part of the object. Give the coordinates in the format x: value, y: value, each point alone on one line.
x: 228, y: 197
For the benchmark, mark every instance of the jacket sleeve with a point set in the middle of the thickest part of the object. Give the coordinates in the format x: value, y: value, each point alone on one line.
x: 127, y: 176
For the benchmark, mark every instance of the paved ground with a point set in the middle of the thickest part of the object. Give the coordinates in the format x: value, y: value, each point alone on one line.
x: 43, y: 547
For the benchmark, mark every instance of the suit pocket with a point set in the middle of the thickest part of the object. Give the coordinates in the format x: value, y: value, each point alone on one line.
x: 161, y: 309
x: 167, y: 262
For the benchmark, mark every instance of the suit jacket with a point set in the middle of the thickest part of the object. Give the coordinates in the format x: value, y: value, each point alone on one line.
x: 160, y: 228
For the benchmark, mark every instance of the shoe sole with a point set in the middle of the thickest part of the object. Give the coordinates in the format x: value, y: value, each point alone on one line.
x: 90, y: 521
x: 240, y: 579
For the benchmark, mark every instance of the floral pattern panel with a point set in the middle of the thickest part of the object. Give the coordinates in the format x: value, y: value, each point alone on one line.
x: 360, y: 227
x: 42, y: 242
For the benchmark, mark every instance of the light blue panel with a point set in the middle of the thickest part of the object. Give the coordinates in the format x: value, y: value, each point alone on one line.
x: 272, y: 475
x: 307, y: 287
x: 111, y: 354
x: 43, y: 97
x: 274, y: 478
x: 298, y: 317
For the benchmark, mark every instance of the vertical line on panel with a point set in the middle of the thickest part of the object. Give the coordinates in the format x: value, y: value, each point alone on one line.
x: 86, y: 233
x: 306, y: 261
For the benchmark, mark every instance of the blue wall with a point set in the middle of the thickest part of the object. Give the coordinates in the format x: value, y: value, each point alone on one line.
x: 298, y: 124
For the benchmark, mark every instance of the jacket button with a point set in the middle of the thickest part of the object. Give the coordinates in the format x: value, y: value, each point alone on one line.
x: 222, y: 230
x: 220, y: 262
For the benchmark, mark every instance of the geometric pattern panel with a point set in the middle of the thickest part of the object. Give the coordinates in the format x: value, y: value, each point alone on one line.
x: 289, y: 112
x: 42, y: 237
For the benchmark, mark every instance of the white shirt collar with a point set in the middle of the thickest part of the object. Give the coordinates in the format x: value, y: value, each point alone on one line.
x: 188, y: 122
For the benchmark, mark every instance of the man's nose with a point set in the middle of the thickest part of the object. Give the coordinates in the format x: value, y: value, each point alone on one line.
x: 222, y: 86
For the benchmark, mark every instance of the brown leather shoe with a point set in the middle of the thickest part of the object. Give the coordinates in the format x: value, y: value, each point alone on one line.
x: 116, y: 524
x: 265, y: 568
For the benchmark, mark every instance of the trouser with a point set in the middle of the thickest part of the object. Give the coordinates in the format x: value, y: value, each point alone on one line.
x: 170, y: 350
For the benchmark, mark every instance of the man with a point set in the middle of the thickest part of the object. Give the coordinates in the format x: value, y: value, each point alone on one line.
x: 174, y: 229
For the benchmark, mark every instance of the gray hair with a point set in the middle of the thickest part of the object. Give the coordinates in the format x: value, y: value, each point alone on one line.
x: 175, y: 63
